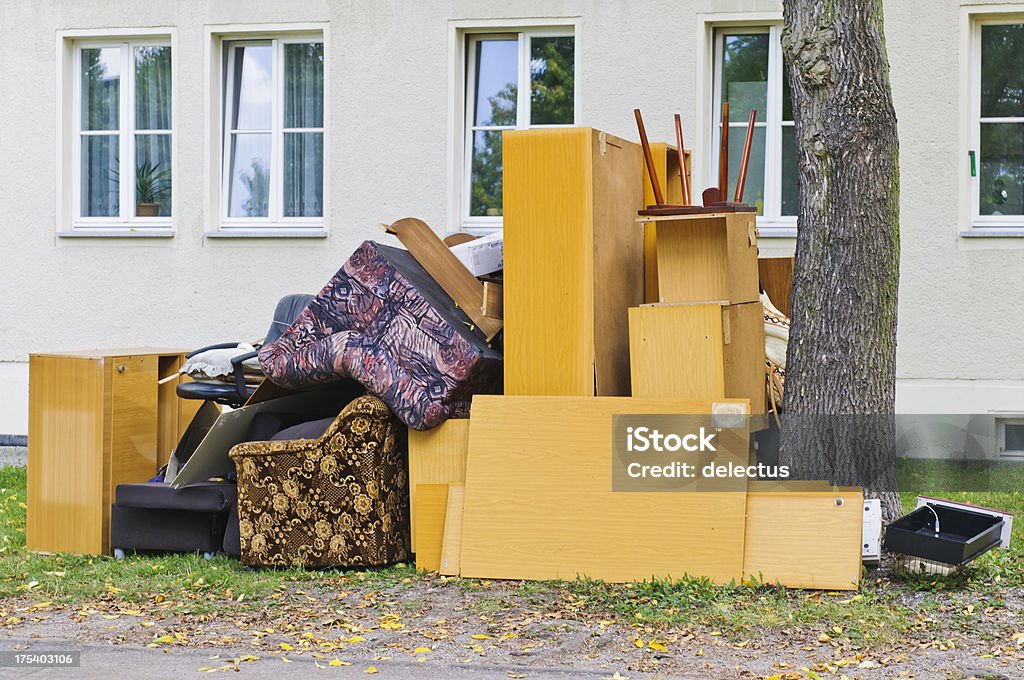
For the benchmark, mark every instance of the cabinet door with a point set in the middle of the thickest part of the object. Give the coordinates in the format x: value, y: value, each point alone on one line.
x: 133, y: 424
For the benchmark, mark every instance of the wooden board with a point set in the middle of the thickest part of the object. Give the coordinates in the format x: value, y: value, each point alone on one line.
x: 745, y: 355
x: 451, y: 546
x: 777, y: 279
x: 431, y: 252
x: 801, y: 538
x: 431, y: 504
x: 65, y: 433
x: 493, y: 300
x: 539, y: 501
x: 676, y: 351
x: 436, y: 456
x: 707, y: 257
x: 618, y: 270
x: 573, y: 260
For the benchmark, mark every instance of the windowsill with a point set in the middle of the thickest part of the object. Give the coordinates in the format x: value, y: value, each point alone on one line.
x: 118, y: 232
x: 770, y: 231
x: 993, y: 232
x: 279, y: 232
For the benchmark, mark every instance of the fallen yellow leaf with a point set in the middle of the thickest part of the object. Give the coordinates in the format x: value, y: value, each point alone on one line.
x: 371, y: 670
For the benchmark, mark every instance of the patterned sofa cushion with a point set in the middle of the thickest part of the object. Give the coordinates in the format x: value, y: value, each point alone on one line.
x: 385, y: 322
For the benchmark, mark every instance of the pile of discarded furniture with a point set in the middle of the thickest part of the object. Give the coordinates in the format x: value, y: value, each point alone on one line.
x: 454, y: 399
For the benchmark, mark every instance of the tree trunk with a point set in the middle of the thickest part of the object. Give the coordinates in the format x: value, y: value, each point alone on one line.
x: 841, y: 363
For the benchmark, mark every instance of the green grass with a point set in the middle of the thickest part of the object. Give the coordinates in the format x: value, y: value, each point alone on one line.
x: 190, y: 583
x: 187, y: 584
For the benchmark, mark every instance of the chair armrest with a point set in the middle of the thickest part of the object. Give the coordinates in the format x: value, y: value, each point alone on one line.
x: 219, y: 345
x: 240, y: 373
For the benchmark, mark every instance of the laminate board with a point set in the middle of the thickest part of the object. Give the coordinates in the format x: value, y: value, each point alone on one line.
x: 539, y: 502
x: 436, y: 456
x: 431, y: 503
x: 451, y: 546
x: 804, y: 535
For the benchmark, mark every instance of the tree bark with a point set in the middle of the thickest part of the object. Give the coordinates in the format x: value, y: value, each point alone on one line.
x: 841, y: 362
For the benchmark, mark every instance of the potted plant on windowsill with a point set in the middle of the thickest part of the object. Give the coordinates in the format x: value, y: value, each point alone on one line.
x: 152, y: 185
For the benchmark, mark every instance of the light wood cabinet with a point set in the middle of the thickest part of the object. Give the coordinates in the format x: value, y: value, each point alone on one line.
x: 96, y: 419
x: 574, y: 260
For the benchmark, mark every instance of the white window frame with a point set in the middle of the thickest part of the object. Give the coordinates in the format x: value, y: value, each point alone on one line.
x: 216, y: 173
x: 772, y: 222
x: 69, y: 221
x: 994, y: 224
x: 465, y: 37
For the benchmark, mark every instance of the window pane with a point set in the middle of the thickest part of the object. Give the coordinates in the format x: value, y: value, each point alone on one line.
x: 551, y: 80
x: 100, y: 182
x: 497, y: 76
x: 252, y: 90
x: 250, y: 176
x: 790, y: 193
x: 101, y: 85
x: 152, y: 175
x: 745, y: 74
x: 304, y: 85
x: 485, y: 192
x: 153, y: 88
x: 1002, y: 70
x: 303, y: 174
x: 1002, y: 169
x: 753, y: 189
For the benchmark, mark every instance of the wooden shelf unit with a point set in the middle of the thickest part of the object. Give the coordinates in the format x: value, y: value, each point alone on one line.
x: 96, y: 419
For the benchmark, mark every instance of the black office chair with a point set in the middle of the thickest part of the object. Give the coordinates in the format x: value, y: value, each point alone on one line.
x: 237, y: 393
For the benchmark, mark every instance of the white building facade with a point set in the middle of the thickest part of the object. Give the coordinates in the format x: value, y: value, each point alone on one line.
x: 264, y: 141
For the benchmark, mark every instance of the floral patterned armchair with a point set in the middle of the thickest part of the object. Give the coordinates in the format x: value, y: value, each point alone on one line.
x: 338, y: 501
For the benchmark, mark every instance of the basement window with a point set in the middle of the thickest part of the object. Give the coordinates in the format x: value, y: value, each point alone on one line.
x: 1010, y: 437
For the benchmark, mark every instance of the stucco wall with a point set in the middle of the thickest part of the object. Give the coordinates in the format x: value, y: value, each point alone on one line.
x: 960, y: 310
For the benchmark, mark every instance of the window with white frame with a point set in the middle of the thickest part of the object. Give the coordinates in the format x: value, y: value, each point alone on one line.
x: 749, y: 74
x: 997, y: 131
x: 122, y: 122
x: 514, y: 80
x: 273, y: 133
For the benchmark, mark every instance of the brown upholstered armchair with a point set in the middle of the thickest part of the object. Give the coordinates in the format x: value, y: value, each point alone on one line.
x: 338, y: 501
